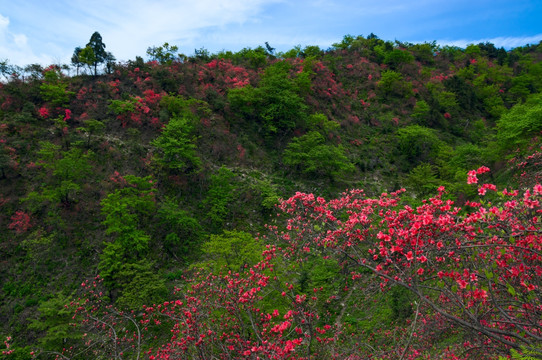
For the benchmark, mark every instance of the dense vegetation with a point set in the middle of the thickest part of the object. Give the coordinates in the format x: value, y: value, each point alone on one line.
x: 138, y: 204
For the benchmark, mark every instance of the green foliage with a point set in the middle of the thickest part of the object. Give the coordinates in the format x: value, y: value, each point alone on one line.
x: 87, y: 57
x: 268, y: 193
x: 176, y: 145
x: 276, y: 104
x: 425, y: 52
x: 54, y: 89
x: 55, y: 323
x: 97, y: 55
x: 525, y: 353
x: 121, y: 107
x: 126, y: 211
x: 516, y: 127
x: 182, y: 230
x: 345, y: 43
x: 92, y: 128
x: 140, y: 285
x: 233, y: 162
x: 164, y: 54
x: 423, y: 180
x: 219, y: 198
x: 398, y: 57
x: 418, y: 144
x: 311, y: 155
x: 230, y: 251
x: 472, y: 50
x: 321, y: 123
x: 67, y: 170
x: 256, y: 57
x: 400, y: 302
x: 38, y: 244
x: 393, y: 86
x: 421, y: 112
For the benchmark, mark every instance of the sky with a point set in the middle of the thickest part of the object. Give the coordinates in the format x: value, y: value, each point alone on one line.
x: 47, y: 31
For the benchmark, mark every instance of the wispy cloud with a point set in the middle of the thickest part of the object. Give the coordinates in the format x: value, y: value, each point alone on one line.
x: 127, y: 27
x: 14, y: 46
x: 38, y: 31
x: 501, y: 41
x: 134, y: 25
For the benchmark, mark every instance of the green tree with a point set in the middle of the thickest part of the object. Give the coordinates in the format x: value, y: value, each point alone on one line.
x: 64, y: 173
x: 277, y: 104
x: 140, y: 285
x: 92, y: 128
x: 124, y: 209
x: 421, y: 112
x: 87, y: 56
x: 423, y: 180
x: 418, y: 144
x: 520, y: 124
x: 93, y: 54
x: 393, y: 86
x: 55, y: 322
x: 180, y: 231
x: 76, y: 59
x: 176, y: 146
x: 109, y: 60
x: 398, y: 57
x: 126, y: 212
x: 54, y: 88
x: 312, y: 156
x: 220, y: 195
x: 230, y: 251
x: 164, y: 54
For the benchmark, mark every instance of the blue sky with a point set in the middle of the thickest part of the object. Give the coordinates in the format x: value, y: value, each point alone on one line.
x: 38, y: 31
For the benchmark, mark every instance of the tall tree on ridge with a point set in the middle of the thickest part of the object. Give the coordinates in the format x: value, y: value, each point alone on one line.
x: 97, y: 45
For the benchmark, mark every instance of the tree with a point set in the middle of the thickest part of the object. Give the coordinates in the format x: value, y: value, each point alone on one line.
x: 277, y: 104
x: 92, y: 128
x: 87, y: 56
x: 126, y: 211
x: 65, y: 172
x: 393, y: 86
x: 520, y: 124
x: 98, y: 49
x: 35, y: 71
x: 176, y: 145
x: 234, y: 251
x: 7, y: 70
x: 418, y: 144
x: 164, y: 54
x: 76, y: 59
x: 312, y: 156
x: 109, y: 62
x: 220, y: 196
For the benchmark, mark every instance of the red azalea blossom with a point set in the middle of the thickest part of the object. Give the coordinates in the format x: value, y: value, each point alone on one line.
x: 44, y: 112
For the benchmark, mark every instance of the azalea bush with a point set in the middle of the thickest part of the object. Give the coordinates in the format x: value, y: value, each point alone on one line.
x: 468, y: 273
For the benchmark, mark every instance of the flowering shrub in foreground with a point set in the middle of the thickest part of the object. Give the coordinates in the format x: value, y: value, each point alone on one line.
x: 478, y: 267
x: 474, y: 274
x: 474, y: 269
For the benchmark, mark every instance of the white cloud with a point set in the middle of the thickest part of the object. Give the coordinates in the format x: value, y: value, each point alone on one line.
x: 129, y: 27
x: 14, y: 46
x: 501, y: 41
x: 4, y: 22
x: 45, y: 32
x: 20, y: 40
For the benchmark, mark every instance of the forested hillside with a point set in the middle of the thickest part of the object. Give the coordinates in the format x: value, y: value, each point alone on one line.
x: 211, y: 206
